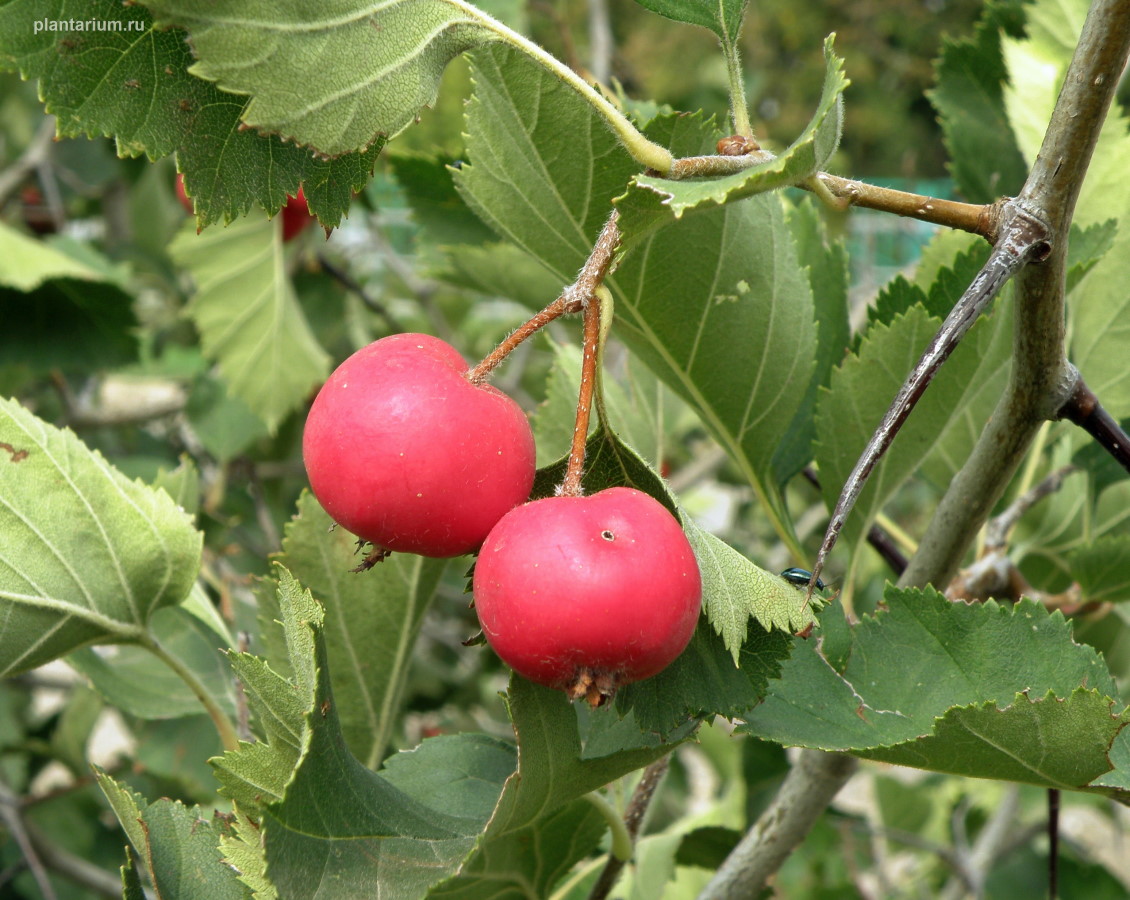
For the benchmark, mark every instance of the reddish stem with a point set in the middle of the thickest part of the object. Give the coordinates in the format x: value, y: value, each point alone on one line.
x: 575, y: 467
x: 559, y: 307
x: 572, y: 299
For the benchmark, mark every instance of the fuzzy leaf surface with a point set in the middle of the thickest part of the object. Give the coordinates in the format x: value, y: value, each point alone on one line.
x: 133, y: 85
x: 88, y: 555
x: 249, y: 318
x: 372, y: 621
x: 177, y: 845
x: 335, y: 78
x: 930, y: 680
x: 652, y: 202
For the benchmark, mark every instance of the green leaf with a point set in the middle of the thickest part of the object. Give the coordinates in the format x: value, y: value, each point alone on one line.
x: 26, y: 263
x: 242, y: 852
x: 62, y: 309
x: 1087, y: 246
x: 336, y: 79
x: 436, y: 204
x: 88, y: 555
x: 132, y: 888
x: 947, y: 421
x: 371, y: 622
x: 133, y: 84
x: 652, y: 201
x: 543, y: 167
x: 827, y: 264
x: 177, y: 845
x: 703, y: 681
x: 340, y: 829
x: 723, y: 17
x: 1102, y: 569
x: 540, y: 827
x: 984, y: 159
x: 947, y: 684
x: 734, y: 589
x: 249, y: 318
x: 258, y: 772
x: 137, y: 682
x: 1048, y: 741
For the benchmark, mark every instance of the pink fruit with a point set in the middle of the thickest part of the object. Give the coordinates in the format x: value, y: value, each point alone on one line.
x: 588, y: 593
x: 405, y: 452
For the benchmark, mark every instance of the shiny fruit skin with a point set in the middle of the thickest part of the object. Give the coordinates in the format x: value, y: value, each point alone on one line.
x: 604, y: 588
x: 403, y: 451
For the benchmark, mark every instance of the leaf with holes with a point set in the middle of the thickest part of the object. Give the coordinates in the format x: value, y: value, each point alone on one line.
x: 87, y: 555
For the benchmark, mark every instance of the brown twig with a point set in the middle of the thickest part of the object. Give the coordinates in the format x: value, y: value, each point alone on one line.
x: 633, y: 820
x: 1024, y: 239
x: 976, y: 218
x: 575, y: 465
x: 572, y: 299
x: 880, y: 541
x: 352, y: 285
x: 1084, y: 409
x: 558, y: 308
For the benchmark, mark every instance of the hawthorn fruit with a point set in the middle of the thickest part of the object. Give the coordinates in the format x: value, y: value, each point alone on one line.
x: 405, y: 452
x: 585, y: 594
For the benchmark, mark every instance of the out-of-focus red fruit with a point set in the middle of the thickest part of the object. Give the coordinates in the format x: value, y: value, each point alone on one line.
x: 585, y: 594
x: 185, y: 200
x: 405, y: 452
x: 296, y: 216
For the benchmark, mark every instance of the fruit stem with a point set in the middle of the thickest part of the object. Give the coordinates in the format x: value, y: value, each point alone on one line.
x: 575, y: 467
x: 559, y: 307
x: 572, y: 299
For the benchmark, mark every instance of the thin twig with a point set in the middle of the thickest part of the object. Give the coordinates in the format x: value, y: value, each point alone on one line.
x: 806, y: 792
x: 881, y: 542
x: 1024, y: 238
x: 572, y: 299
x: 999, y: 527
x: 36, y: 153
x: 1084, y: 409
x: 633, y: 820
x: 351, y: 284
x: 975, y: 218
x: 13, y: 819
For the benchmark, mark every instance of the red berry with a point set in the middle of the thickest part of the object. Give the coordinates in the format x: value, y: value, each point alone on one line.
x: 184, y: 199
x: 295, y: 216
x: 588, y: 593
x: 405, y: 452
